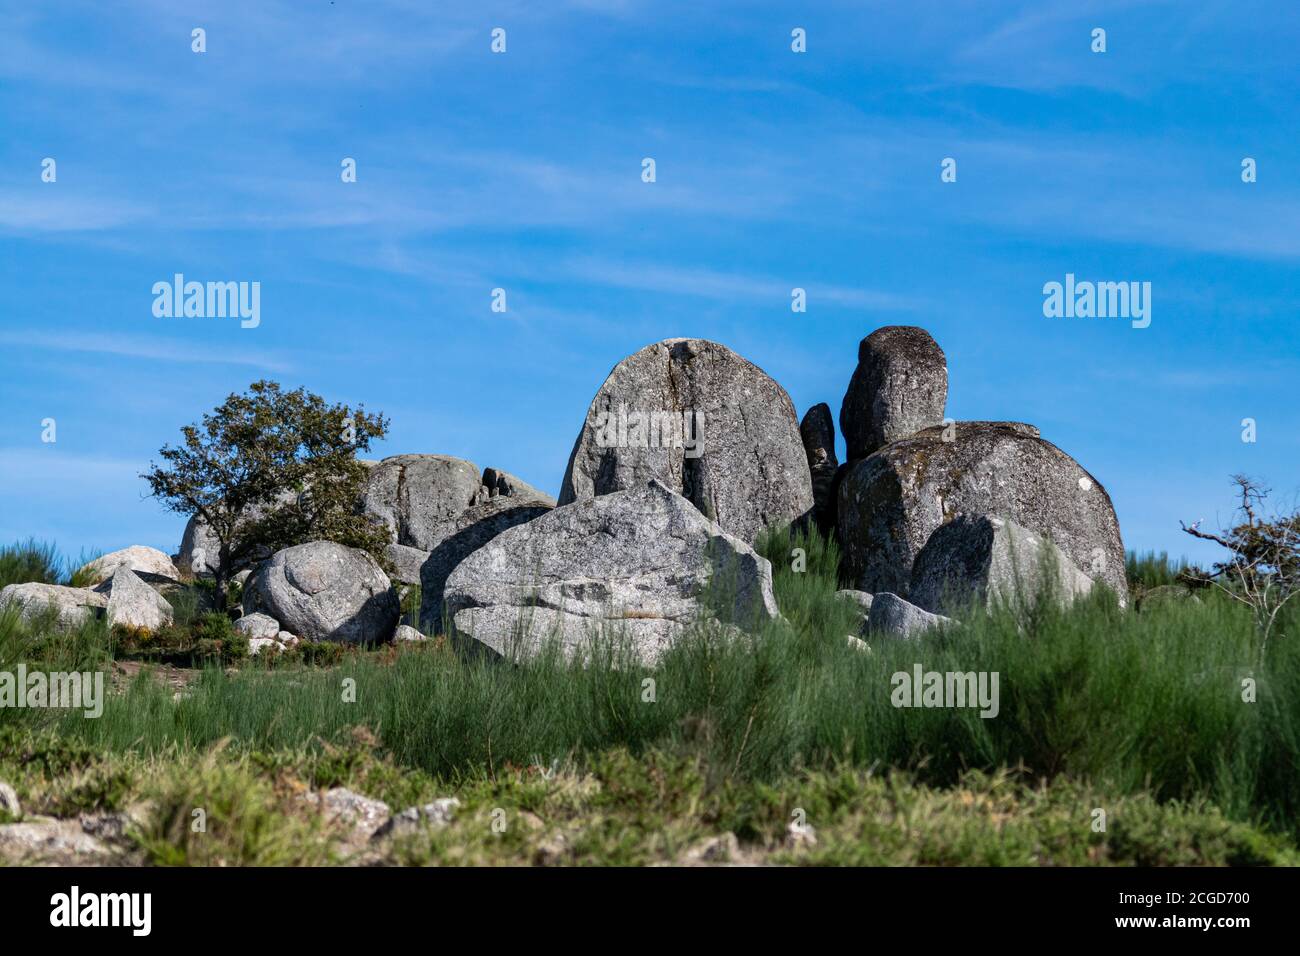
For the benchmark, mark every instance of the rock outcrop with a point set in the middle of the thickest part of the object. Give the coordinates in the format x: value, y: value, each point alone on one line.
x: 707, y: 424
x: 258, y: 626
x: 473, y: 528
x: 633, y: 565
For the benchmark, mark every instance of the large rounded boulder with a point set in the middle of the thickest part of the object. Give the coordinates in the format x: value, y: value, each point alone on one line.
x: 149, y: 563
x: 323, y: 591
x: 706, y: 423
x: 892, y: 502
x: 899, y: 387
x: 640, y: 564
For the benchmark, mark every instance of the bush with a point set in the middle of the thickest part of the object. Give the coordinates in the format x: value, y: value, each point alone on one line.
x: 30, y: 561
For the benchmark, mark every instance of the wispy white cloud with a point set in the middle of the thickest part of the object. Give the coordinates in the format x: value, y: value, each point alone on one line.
x: 155, y: 349
x: 55, y: 211
x: 712, y: 284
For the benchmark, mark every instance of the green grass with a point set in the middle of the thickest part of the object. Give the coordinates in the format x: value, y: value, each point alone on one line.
x: 622, y: 809
x: 41, y: 562
x: 1145, y: 709
x: 1151, y: 569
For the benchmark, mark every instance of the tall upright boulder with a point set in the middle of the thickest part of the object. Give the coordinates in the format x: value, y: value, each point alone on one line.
x: 817, y: 431
x: 893, y: 501
x: 706, y: 423
x: 899, y: 387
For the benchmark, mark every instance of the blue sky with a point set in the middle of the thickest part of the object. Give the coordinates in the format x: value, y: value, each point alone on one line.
x: 522, y: 171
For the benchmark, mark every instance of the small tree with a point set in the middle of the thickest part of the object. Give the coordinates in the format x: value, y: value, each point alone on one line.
x: 1263, y: 567
x: 269, y: 469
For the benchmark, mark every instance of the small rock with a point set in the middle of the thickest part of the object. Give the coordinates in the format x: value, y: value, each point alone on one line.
x: 259, y: 644
x: 405, y: 633
x: 9, y: 803
x: 258, y: 626
x: 287, y: 639
x: 890, y: 614
x: 861, y: 598
x: 552, y: 850
x: 58, y: 842
x: 800, y: 836
x: 858, y: 644
x: 341, y: 805
x: 719, y: 849
x: 412, y: 820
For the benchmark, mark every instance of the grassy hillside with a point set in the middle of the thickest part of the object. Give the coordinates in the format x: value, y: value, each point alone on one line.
x: 1137, y: 713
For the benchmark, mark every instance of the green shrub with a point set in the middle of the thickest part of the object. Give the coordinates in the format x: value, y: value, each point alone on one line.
x: 30, y: 561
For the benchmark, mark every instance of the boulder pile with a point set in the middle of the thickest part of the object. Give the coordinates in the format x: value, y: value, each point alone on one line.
x: 686, y: 454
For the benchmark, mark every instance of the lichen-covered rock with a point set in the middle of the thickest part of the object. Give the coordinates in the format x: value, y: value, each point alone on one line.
x: 69, y: 607
x: 899, y: 387
x: 988, y: 561
x: 144, y: 561
x: 632, y: 564
x: 817, y: 430
x: 132, y: 603
x: 892, y: 502
x: 418, y: 496
x: 323, y: 591
x: 706, y: 423
x: 893, y: 616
